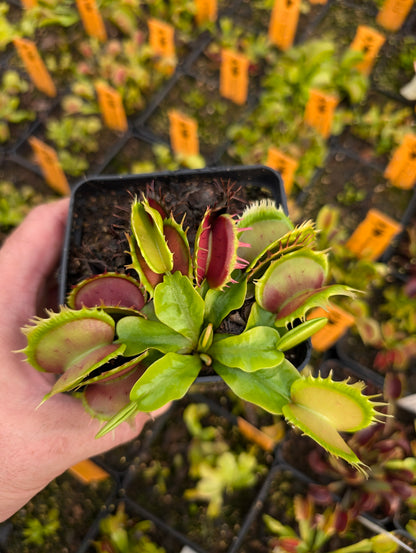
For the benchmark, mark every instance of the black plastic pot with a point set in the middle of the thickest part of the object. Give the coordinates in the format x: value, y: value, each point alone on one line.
x: 185, y: 188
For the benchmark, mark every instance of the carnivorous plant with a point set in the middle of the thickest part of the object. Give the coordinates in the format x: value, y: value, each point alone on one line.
x: 133, y: 342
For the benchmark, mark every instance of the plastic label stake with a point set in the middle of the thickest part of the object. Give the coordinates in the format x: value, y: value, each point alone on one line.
x: 234, y: 76
x: 161, y: 38
x: 401, y: 171
x: 47, y: 158
x: 373, y: 235
x: 206, y: 10
x: 91, y: 19
x: 87, y: 471
x: 111, y: 107
x: 286, y: 166
x: 393, y: 13
x: 183, y: 132
x: 35, y: 66
x: 284, y: 22
x: 369, y: 41
x: 319, y: 111
x: 255, y: 435
x: 338, y: 322
x: 27, y: 4
x: 318, y: 1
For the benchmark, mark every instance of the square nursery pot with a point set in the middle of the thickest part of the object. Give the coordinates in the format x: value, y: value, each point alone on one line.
x: 99, y: 218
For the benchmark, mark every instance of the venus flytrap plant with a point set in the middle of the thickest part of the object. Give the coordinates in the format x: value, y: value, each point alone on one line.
x: 315, y: 530
x: 148, y: 337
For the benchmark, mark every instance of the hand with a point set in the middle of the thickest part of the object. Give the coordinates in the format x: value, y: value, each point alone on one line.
x: 38, y: 443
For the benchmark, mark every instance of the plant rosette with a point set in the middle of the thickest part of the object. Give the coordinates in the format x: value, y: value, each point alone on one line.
x: 127, y: 344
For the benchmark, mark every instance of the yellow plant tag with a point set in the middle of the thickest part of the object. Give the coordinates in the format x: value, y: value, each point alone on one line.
x: 87, y: 471
x: 319, y: 111
x: 318, y: 1
x: 373, y: 235
x: 47, y: 158
x: 283, y: 163
x: 206, y: 10
x: 161, y: 38
x: 35, y: 66
x: 369, y: 41
x: 284, y: 22
x: 183, y: 132
x: 234, y: 76
x: 338, y: 322
x: 392, y: 14
x: 111, y: 107
x: 401, y: 170
x: 91, y: 19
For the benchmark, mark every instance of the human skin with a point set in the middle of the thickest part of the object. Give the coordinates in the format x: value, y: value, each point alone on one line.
x: 38, y: 443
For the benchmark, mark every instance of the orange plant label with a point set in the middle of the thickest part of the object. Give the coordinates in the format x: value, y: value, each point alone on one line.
x: 35, y: 66
x: 338, y: 322
x: 255, y: 434
x: 393, y: 13
x: 234, y: 76
x: 47, y: 159
x: 183, y: 132
x: 369, y: 41
x: 29, y: 3
x: 284, y: 22
x: 91, y: 19
x: 401, y: 170
x: 373, y: 235
x: 284, y: 164
x: 87, y: 471
x: 319, y: 111
x: 206, y: 10
x: 318, y: 1
x: 161, y: 38
x: 111, y: 107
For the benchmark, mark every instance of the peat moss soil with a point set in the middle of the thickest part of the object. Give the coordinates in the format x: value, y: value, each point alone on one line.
x: 77, y: 507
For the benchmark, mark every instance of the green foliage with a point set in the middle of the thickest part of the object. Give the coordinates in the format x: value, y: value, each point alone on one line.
x: 12, y: 86
x: 315, y: 530
x: 383, y: 126
x: 218, y: 470
x: 74, y: 136
x: 15, y: 203
x: 36, y: 531
x: 180, y: 331
x: 120, y: 534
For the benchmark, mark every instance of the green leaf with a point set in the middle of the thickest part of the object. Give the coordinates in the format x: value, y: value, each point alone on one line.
x: 300, y: 333
x: 56, y: 343
x: 267, y: 388
x: 277, y: 528
x: 250, y: 351
x: 262, y: 223
x: 139, y: 334
x: 124, y: 414
x: 219, y: 303
x: 322, y: 407
x: 167, y: 379
x: 179, y: 306
x: 75, y: 374
x: 260, y: 317
x: 147, y: 227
